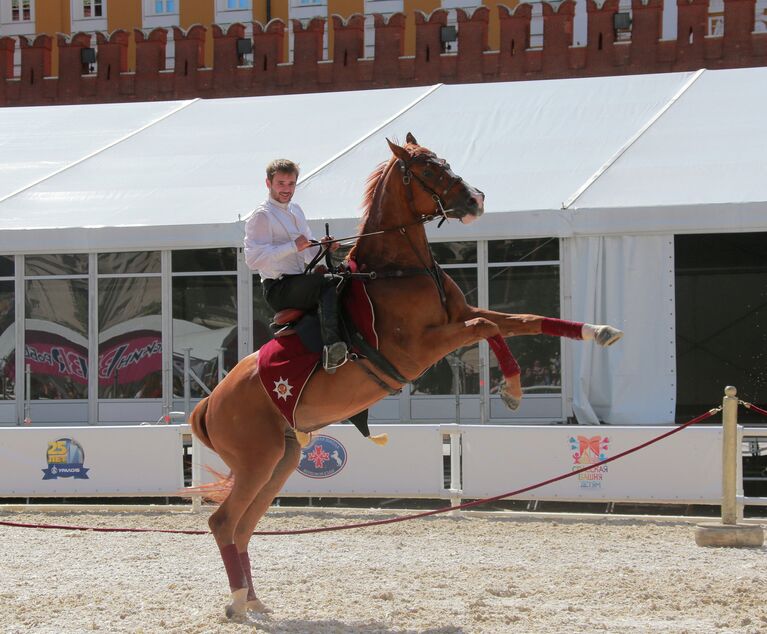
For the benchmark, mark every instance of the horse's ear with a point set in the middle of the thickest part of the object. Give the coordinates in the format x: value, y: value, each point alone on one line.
x: 400, y: 152
x: 410, y: 139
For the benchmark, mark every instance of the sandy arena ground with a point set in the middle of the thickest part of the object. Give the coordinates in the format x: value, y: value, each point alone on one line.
x: 516, y: 573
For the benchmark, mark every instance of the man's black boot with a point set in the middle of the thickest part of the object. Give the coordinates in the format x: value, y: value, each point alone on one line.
x: 334, y: 352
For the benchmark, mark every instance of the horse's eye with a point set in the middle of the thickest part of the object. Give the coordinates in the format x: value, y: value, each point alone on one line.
x: 428, y: 173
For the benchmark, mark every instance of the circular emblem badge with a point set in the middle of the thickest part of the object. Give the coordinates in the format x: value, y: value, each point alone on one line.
x: 65, y: 458
x: 323, y: 457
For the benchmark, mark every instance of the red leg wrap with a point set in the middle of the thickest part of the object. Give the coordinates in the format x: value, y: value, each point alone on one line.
x: 562, y: 328
x: 506, y: 361
x: 233, y: 567
x: 245, y: 562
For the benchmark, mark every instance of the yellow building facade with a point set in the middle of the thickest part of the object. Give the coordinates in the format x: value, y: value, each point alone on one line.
x: 31, y: 17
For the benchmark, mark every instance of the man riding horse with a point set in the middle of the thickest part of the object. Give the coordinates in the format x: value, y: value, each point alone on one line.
x: 420, y: 316
x: 279, y: 245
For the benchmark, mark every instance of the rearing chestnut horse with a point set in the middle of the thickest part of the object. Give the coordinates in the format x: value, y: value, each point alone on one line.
x: 421, y: 316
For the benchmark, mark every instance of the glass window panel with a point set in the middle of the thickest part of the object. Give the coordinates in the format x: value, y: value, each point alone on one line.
x: 199, y: 260
x: 130, y: 338
x: 133, y: 262
x: 7, y: 341
x: 533, y: 290
x: 534, y: 250
x: 170, y: 6
x: 56, y: 264
x: 262, y: 315
x: 205, y: 320
x: 6, y: 266
x: 721, y: 312
x: 56, y: 331
x: 463, y: 364
x: 454, y: 252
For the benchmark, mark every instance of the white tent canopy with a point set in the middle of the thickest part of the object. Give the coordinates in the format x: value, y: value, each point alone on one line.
x: 616, y: 165
x: 639, y: 154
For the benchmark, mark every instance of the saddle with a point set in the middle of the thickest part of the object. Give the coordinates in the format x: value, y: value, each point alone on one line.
x: 304, y: 323
x: 284, y: 321
x: 288, y: 360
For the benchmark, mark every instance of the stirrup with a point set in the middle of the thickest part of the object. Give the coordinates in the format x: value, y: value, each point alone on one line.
x: 334, y: 356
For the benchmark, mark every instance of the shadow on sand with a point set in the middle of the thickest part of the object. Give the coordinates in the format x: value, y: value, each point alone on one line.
x: 332, y: 626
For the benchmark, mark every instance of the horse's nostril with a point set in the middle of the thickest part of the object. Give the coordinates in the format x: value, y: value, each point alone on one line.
x: 472, y: 202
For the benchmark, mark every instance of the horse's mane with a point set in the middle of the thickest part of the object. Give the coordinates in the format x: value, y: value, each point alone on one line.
x: 368, y: 198
x: 370, y: 187
x: 371, y: 190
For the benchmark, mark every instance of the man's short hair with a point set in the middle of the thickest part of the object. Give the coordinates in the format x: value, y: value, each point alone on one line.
x: 281, y: 165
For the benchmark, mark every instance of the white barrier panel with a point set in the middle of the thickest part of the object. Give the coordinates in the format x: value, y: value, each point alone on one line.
x: 686, y: 467
x: 88, y: 461
x: 340, y: 462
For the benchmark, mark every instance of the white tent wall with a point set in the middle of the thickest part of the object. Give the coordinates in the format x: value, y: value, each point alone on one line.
x: 627, y: 281
x: 613, y: 166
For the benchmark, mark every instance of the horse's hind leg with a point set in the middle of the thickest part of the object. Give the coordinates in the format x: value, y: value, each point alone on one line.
x: 258, y: 507
x: 251, y: 473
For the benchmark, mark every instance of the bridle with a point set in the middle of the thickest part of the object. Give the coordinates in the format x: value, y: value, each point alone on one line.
x: 438, y: 188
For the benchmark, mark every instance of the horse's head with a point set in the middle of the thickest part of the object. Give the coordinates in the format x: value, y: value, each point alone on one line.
x: 434, y: 186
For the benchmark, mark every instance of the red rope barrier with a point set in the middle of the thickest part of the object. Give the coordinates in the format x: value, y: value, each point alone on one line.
x: 754, y: 408
x: 393, y: 520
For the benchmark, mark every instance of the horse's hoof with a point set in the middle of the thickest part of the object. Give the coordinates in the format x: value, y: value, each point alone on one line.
x: 238, y: 606
x: 512, y: 402
x: 256, y: 605
x: 607, y: 335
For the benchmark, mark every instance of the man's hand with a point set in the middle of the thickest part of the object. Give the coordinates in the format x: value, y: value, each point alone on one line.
x: 302, y: 243
x: 334, y: 246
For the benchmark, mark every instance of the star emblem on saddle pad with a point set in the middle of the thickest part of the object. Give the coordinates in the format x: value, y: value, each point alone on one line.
x: 283, y: 389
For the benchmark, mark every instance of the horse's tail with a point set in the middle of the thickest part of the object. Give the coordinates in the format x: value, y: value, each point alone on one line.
x: 197, y: 423
x: 214, y: 491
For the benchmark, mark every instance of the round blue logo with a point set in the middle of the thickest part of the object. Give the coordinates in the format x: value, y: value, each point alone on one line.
x: 322, y: 458
x: 65, y: 458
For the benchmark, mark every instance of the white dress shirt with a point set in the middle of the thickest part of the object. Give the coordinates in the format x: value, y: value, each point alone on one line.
x: 270, y: 239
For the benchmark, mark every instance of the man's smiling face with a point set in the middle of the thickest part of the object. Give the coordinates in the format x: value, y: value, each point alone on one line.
x: 282, y: 186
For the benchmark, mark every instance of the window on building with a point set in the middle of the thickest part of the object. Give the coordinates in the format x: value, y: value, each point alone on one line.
x: 93, y: 8
x: 262, y: 315
x: 7, y: 329
x: 460, y: 370
x: 237, y: 4
x: 21, y: 10
x: 130, y: 325
x: 56, y: 325
x: 524, y: 279
x: 721, y: 310
x: 204, y: 316
x: 164, y: 6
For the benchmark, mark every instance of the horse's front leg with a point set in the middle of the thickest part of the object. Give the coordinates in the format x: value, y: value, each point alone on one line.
x: 514, y: 325
x: 465, y: 333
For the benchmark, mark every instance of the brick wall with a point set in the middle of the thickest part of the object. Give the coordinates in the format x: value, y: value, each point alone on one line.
x: 602, y: 54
